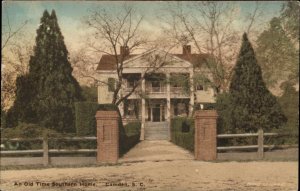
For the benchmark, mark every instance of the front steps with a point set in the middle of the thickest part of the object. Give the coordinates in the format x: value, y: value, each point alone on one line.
x: 156, y: 131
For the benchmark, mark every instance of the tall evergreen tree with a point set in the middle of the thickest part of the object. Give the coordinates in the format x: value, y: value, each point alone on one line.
x: 252, y: 105
x: 52, y: 90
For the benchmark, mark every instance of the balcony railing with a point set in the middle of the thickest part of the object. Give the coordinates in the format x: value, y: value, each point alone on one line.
x: 154, y: 90
x: 127, y: 89
x: 177, y: 89
x: 161, y: 89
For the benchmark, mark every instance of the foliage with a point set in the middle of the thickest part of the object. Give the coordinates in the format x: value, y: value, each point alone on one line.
x: 132, y: 128
x: 180, y: 80
x: 290, y: 19
x: 289, y: 102
x: 85, y: 121
x: 131, y: 136
x: 206, y: 106
x: 3, y: 118
x: 22, y: 110
x: 274, y: 48
x: 89, y: 93
x: 252, y: 105
x: 27, y: 130
x: 182, y: 132
x: 46, y: 95
x: 223, y: 107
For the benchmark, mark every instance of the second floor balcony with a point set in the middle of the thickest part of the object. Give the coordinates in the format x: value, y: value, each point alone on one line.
x: 155, y: 86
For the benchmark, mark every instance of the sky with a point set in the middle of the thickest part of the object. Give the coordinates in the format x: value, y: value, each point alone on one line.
x: 70, y: 14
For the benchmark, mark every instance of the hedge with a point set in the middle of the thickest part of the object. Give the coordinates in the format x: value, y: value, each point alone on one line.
x: 182, y: 132
x: 29, y: 130
x: 206, y: 106
x: 85, y: 121
x: 129, y: 135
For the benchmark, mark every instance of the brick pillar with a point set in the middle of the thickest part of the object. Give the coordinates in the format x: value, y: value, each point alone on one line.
x: 107, y: 136
x: 206, y: 135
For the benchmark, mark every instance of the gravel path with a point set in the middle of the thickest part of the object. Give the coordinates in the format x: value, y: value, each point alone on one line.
x: 156, y: 150
x: 178, y: 175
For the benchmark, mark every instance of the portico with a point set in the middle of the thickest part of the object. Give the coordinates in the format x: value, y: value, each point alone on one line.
x: 161, y: 85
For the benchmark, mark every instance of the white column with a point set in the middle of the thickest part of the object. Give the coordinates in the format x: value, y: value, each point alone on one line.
x: 121, y: 105
x: 169, y: 104
x: 143, y: 108
x: 192, y: 99
x: 168, y: 99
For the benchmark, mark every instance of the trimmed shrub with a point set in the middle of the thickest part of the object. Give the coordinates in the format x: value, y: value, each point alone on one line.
x: 26, y: 130
x: 206, y: 106
x: 132, y: 128
x: 3, y: 119
x: 130, y: 137
x: 85, y: 116
x: 85, y: 121
x: 182, y: 132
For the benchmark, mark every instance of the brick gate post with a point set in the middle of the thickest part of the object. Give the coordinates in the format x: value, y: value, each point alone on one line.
x: 107, y: 136
x: 206, y: 135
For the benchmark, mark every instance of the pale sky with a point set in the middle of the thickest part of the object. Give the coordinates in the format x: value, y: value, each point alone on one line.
x: 70, y: 14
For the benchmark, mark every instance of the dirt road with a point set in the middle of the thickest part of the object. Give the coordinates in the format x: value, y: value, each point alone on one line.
x: 178, y: 175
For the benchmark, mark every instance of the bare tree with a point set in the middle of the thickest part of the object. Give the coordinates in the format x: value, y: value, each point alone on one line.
x: 111, y: 30
x: 15, y: 56
x: 254, y: 20
x: 7, y: 32
x: 15, y: 63
x: 210, y: 27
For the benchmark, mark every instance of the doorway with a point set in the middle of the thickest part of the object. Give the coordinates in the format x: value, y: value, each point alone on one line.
x: 156, y: 114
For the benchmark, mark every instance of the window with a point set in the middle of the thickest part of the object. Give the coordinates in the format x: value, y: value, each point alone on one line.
x: 131, y: 83
x: 111, y: 84
x: 200, y: 87
x: 156, y: 86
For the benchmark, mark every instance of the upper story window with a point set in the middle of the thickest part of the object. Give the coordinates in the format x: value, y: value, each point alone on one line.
x: 111, y: 84
x: 155, y: 84
x: 131, y: 83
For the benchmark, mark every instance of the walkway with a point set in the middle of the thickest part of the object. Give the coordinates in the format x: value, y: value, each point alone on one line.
x: 156, y: 150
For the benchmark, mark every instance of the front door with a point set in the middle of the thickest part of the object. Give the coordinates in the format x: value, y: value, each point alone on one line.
x: 156, y: 114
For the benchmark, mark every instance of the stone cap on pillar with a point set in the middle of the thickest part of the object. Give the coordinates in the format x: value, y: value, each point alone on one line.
x: 107, y: 115
x: 206, y: 114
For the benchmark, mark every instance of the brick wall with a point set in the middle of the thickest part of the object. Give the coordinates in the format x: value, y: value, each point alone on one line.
x: 206, y: 135
x: 107, y: 136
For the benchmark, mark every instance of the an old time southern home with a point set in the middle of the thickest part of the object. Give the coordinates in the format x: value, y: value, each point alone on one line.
x: 159, y: 96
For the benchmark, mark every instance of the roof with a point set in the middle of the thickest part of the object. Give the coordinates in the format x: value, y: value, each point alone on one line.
x: 107, y: 62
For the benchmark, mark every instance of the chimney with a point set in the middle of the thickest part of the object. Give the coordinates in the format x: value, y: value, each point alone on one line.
x: 124, y: 50
x: 186, y: 49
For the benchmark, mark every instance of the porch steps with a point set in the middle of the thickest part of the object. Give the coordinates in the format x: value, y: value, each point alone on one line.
x: 156, y: 131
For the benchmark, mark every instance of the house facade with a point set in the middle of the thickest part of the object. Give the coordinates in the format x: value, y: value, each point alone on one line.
x: 163, y: 85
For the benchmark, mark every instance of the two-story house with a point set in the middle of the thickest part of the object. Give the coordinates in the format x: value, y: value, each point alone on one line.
x: 166, y: 91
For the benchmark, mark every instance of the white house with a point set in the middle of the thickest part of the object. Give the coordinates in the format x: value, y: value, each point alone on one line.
x: 159, y: 95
